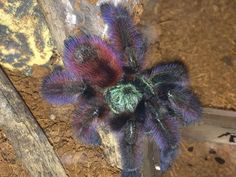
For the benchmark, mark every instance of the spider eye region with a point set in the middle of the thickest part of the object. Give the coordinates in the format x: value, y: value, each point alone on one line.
x: 123, y: 98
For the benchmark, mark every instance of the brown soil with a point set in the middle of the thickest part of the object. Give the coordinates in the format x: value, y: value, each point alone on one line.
x: 203, y: 34
x: 204, y: 159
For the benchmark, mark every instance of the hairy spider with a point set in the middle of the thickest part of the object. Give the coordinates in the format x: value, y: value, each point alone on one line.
x: 107, y: 82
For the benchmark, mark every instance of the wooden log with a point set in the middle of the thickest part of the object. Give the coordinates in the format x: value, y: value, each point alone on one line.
x: 28, y: 139
x: 25, y: 38
x: 151, y: 162
x: 54, y: 13
x: 216, y: 126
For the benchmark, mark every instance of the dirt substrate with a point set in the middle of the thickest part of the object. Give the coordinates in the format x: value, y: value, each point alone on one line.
x: 203, y: 35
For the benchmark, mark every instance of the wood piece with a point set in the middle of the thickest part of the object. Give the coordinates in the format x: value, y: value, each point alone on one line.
x: 216, y: 126
x: 29, y: 141
x: 220, y: 118
x: 209, y: 133
x: 23, y: 29
x: 151, y: 159
x: 54, y: 13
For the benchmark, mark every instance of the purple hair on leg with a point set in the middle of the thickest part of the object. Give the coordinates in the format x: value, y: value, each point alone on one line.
x: 167, y: 155
x: 131, y: 147
x: 186, y: 104
x: 117, y: 122
x: 85, y: 126
x: 62, y: 87
x: 123, y: 34
x: 170, y: 73
x: 165, y: 133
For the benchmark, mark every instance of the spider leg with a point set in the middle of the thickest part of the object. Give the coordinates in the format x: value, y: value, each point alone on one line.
x: 62, y: 87
x: 93, y: 59
x: 185, y: 104
x: 174, y: 72
x: 131, y: 147
x: 85, y: 123
x: 164, y: 131
x: 170, y: 82
x: 124, y: 36
x: 118, y: 121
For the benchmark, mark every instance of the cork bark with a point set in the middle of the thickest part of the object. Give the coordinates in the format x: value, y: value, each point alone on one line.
x: 27, y: 137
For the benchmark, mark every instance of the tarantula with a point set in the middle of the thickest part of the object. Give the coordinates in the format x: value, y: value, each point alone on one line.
x: 107, y: 82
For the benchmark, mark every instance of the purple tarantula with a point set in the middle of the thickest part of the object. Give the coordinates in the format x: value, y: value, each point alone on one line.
x: 106, y: 81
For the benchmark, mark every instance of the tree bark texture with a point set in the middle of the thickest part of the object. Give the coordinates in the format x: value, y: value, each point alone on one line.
x: 55, y: 18
x: 217, y: 126
x: 28, y: 139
